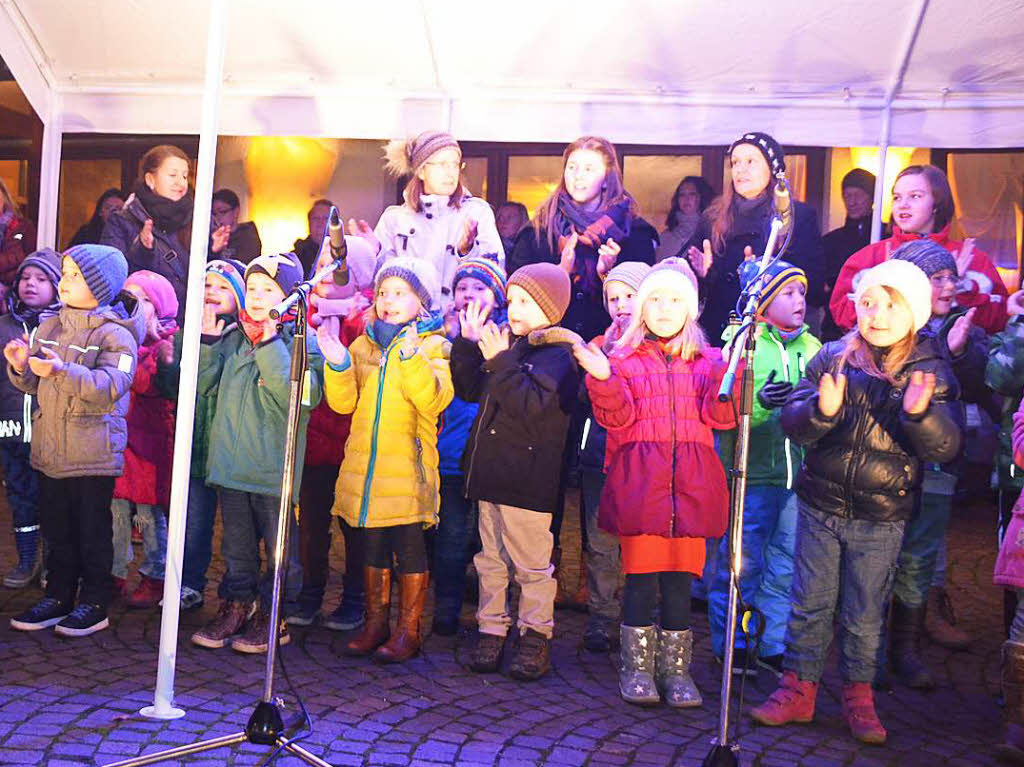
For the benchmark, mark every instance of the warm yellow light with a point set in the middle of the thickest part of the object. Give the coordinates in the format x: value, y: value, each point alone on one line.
x: 896, y: 159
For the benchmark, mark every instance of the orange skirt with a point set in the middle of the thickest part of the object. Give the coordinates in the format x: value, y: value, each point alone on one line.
x: 657, y: 554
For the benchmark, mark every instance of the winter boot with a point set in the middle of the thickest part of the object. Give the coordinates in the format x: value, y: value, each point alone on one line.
x: 940, y: 621
x: 637, y: 652
x: 29, y: 561
x: 406, y: 641
x: 859, y: 712
x: 1012, y: 672
x: 905, y: 646
x: 533, y: 657
x: 377, y: 628
x: 147, y: 594
x: 672, y: 675
x: 793, y: 701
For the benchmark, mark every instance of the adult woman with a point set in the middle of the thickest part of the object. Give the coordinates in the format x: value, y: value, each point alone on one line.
x: 154, y: 228
x: 691, y: 198
x: 91, y: 232
x: 17, y: 236
x: 738, y: 223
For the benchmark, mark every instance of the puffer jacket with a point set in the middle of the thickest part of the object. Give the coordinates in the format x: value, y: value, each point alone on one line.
x: 79, y: 429
x: 664, y: 477
x: 1004, y: 374
x: 251, y: 385
x: 15, y: 406
x: 1009, y: 571
x: 389, y: 474
x: 865, y: 461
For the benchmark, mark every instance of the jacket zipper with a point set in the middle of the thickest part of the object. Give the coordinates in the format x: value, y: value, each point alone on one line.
x: 419, y: 461
x: 672, y: 447
x: 857, y: 438
x: 27, y: 402
x: 482, y: 414
x: 364, y: 506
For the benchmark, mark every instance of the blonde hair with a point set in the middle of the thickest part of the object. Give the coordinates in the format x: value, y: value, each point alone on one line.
x: 858, y: 354
x: 686, y: 344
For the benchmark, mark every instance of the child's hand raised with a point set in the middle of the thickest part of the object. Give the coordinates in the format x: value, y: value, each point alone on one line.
x: 472, y: 320
x: 918, y: 393
x: 16, y: 353
x: 328, y: 337
x: 957, y: 337
x: 410, y: 343
x: 48, y: 364
x: 164, y: 351
x: 493, y: 341
x: 593, y: 360
x: 212, y: 326
x: 831, y: 391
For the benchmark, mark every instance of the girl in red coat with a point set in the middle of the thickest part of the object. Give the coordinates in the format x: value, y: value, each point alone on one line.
x: 146, y: 480
x: 665, y: 493
x: 922, y: 206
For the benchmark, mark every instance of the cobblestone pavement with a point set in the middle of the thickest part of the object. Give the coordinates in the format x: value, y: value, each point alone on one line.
x: 75, y: 702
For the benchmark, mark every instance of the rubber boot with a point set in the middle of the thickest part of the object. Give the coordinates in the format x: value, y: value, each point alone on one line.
x: 940, y: 621
x: 637, y: 653
x: 1012, y: 673
x: 793, y: 701
x: 672, y: 675
x: 408, y: 637
x: 377, y: 628
x: 905, y: 646
x: 859, y: 712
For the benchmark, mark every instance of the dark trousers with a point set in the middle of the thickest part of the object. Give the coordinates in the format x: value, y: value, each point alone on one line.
x: 641, y: 593
x: 77, y: 525
x: 22, y: 482
x: 452, y: 547
x: 402, y: 542
x: 202, y: 513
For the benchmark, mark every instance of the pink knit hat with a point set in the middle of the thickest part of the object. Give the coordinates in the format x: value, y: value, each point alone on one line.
x: 158, y: 290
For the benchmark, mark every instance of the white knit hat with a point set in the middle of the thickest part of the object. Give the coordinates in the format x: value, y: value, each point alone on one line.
x: 418, y: 272
x: 905, y: 278
x: 671, y: 274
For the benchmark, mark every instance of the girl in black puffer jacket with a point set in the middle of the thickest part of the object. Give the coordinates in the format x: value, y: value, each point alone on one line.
x: 873, y: 406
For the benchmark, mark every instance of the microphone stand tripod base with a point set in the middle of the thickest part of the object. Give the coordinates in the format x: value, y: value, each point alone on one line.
x: 151, y: 712
x: 722, y: 756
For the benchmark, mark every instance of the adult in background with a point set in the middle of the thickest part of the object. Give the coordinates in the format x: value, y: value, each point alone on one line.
x: 690, y: 200
x: 308, y: 248
x: 17, y: 236
x: 228, y: 237
x: 737, y: 223
x: 91, y: 232
x: 154, y: 228
x: 510, y: 219
x: 841, y: 243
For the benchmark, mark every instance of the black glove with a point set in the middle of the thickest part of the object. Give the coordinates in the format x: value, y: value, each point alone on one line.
x: 774, y: 393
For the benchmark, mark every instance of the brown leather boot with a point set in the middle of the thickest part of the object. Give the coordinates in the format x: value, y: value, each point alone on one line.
x: 406, y: 641
x: 377, y: 627
x: 940, y: 621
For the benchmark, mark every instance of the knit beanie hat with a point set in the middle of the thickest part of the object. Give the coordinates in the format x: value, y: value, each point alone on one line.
x: 769, y: 147
x: 405, y: 157
x: 631, y: 273
x: 672, y: 274
x: 860, y: 179
x: 927, y: 255
x: 232, y: 272
x: 46, y: 259
x: 905, y: 278
x: 158, y: 290
x: 104, y: 269
x: 420, y: 274
x: 488, y: 271
x: 548, y: 285
x: 282, y: 268
x: 775, y: 279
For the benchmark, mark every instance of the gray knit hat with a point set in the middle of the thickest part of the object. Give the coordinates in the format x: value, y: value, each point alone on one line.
x: 927, y: 255
x: 103, y: 268
x: 46, y: 259
x: 406, y: 157
x: 631, y: 273
x: 418, y: 272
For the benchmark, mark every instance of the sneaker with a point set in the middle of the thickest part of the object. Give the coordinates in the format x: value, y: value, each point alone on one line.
x: 349, y: 615
x: 43, y: 614
x: 22, y: 575
x: 84, y: 620
x: 305, y: 615
x: 190, y: 598
x: 533, y: 657
x: 254, y: 638
x: 596, y: 638
x: 147, y: 594
x: 230, y: 619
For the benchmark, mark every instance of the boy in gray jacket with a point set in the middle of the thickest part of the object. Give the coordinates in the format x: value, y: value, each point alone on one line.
x: 79, y: 365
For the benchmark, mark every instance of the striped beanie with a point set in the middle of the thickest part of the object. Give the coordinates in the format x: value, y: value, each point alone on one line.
x: 548, y: 285
x: 631, y: 273
x: 774, y: 279
x: 406, y: 157
x: 46, y: 260
x: 927, y: 255
x: 488, y: 271
x: 104, y: 269
x: 231, y: 272
x: 420, y: 274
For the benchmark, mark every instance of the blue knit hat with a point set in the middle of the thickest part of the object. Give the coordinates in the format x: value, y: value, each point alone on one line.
x: 282, y: 268
x: 927, y: 255
x: 103, y: 268
x: 231, y: 272
x: 488, y: 271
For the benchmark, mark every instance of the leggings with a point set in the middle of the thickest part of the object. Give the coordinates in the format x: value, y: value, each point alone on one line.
x: 404, y: 541
x: 640, y: 595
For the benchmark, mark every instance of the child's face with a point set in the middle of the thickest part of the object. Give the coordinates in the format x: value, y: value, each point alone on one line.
x: 524, y: 314
x: 943, y: 292
x: 471, y: 289
x: 219, y: 295
x: 34, y: 288
x: 396, y: 301
x: 72, y: 288
x: 664, y: 313
x: 913, y: 204
x: 440, y: 173
x: 789, y: 306
x: 261, y: 295
x: 620, y: 299
x: 148, y: 312
x: 883, y: 319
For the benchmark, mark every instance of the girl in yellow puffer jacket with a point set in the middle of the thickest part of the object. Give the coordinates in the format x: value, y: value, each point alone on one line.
x: 395, y: 381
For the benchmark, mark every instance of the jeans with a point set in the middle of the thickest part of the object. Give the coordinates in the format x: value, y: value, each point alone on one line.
x: 922, y: 540
x: 202, y: 512
x: 153, y: 524
x: 849, y: 563
x: 603, y: 557
x: 452, y: 547
x: 22, y: 484
x: 766, y: 572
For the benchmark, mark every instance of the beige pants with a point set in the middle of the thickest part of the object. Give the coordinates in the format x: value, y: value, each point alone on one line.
x: 520, y: 538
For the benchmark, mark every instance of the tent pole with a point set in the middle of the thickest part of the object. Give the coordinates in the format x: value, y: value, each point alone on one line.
x: 163, y: 699
x: 883, y: 151
x: 49, y: 174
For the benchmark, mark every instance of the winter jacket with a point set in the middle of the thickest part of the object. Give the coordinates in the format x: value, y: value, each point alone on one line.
x: 243, y: 245
x: 664, y: 478
x: 1009, y: 569
x: 168, y: 256
x: 516, y: 444
x: 435, y: 233
x: 15, y: 405
x: 720, y: 288
x: 389, y: 474
x: 983, y: 286
x: 1004, y: 374
x: 17, y: 240
x: 586, y: 315
x: 865, y: 461
x: 453, y: 433
x: 79, y: 428
x: 250, y: 383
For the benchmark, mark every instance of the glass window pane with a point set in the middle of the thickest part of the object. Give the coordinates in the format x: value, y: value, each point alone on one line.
x: 987, y: 196
x: 531, y: 179
x: 15, y: 175
x: 796, y: 174
x: 475, y: 175
x: 652, y: 179
x: 81, y: 184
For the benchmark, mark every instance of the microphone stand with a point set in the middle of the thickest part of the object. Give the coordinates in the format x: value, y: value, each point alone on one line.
x: 723, y: 753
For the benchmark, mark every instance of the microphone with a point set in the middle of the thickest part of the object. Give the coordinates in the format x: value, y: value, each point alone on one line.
x: 339, y: 249
x: 782, y: 202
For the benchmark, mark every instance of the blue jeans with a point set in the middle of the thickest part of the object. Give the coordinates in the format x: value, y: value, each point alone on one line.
x: 922, y: 541
x: 153, y: 524
x: 766, y: 571
x: 849, y: 563
x: 22, y: 485
x: 603, y: 558
x: 452, y: 547
x: 202, y: 512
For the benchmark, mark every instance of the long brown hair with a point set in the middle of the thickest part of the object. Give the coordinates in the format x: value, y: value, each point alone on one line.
x: 414, y: 190
x: 941, y: 192
x: 612, y: 190
x: 857, y: 354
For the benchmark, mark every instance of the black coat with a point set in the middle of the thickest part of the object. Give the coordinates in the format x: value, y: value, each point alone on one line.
x: 586, y: 314
x: 243, y: 245
x: 15, y: 406
x: 515, y: 447
x: 839, y: 245
x: 865, y: 461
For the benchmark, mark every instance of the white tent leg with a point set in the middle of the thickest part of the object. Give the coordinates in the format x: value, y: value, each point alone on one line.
x: 49, y: 175
x: 883, y: 150
x: 163, y: 699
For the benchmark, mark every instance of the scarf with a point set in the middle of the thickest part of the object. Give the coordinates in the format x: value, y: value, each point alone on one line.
x: 385, y: 332
x: 28, y: 315
x: 168, y: 215
x: 254, y: 329
x: 749, y: 214
x: 593, y: 227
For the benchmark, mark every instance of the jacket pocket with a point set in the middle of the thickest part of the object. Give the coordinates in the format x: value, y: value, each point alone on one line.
x: 87, y: 440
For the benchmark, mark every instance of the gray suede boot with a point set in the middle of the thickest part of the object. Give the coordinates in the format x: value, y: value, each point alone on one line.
x: 636, y: 675
x: 675, y: 649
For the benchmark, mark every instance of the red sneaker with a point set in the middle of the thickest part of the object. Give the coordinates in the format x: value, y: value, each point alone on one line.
x: 859, y: 711
x: 793, y: 701
x: 147, y: 594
